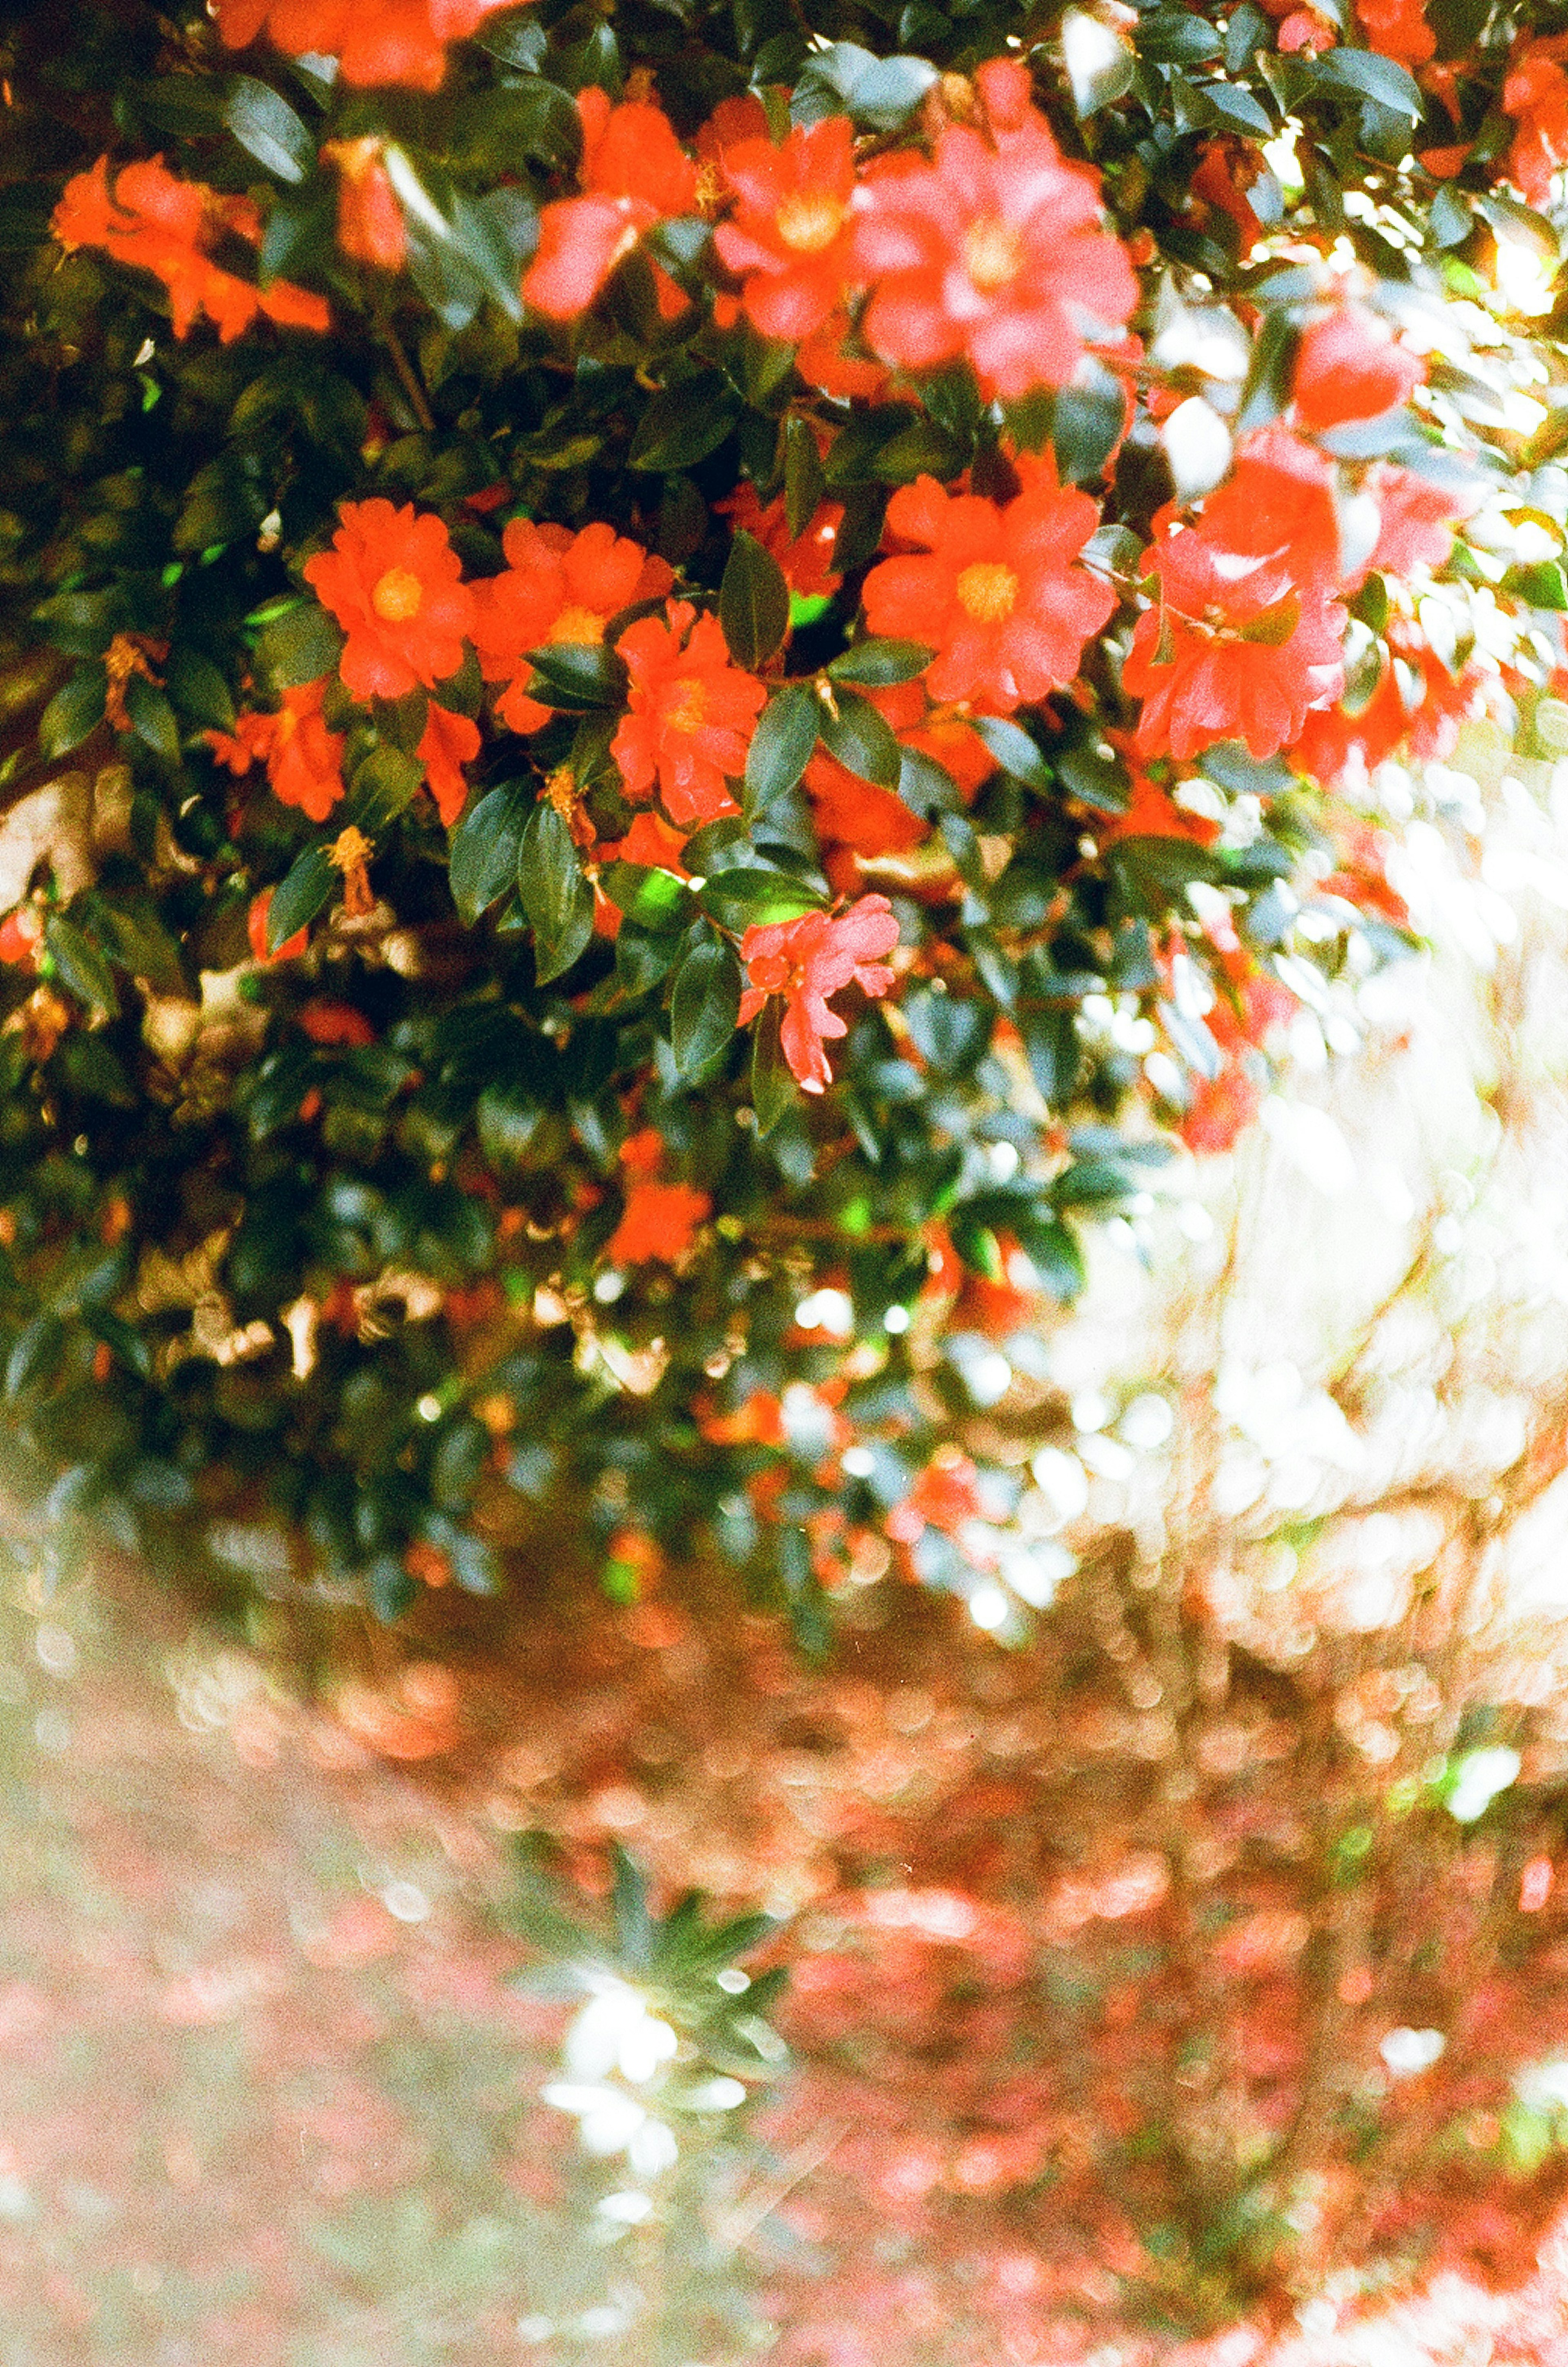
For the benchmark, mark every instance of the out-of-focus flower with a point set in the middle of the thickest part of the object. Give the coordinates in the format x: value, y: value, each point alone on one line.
x: 633, y: 172
x: 303, y: 759
x: 374, y: 41
x: 167, y: 226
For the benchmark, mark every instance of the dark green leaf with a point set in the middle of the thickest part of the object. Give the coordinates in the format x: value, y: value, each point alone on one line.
x: 305, y: 891
x: 1170, y: 37
x: 553, y: 893
x: 753, y: 603
x: 492, y: 129
x: 1238, y: 109
x: 773, y: 1084
x: 298, y: 646
x: 1270, y: 373
x: 1014, y: 750
x: 384, y: 784
x: 578, y: 675
x: 878, y: 663
x: 80, y: 966
x: 152, y: 718
x: 197, y: 688
x: 803, y: 485
x: 863, y: 742
x: 781, y: 745
x: 686, y: 423
x: 704, y: 1006
x: 268, y: 127
x: 750, y: 898
x: 1370, y: 76
x: 76, y: 709
x: 482, y: 856
x: 35, y: 1355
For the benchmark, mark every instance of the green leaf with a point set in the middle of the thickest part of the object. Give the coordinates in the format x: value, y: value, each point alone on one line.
x: 653, y: 899
x: 268, y: 127
x: 781, y: 745
x: 1370, y: 76
x: 517, y: 40
x: 1172, y: 38
x: 197, y: 688
x: 482, y: 854
x: 492, y: 129
x: 80, y: 966
x: 553, y: 893
x: 152, y: 718
x: 1014, y: 750
x: 686, y: 423
x: 305, y: 891
x: 879, y: 663
x: 578, y: 676
x: 750, y: 898
x: 1544, y: 585
x: 1054, y: 1255
x: 35, y: 1355
x: 1270, y: 374
x: 803, y: 485
x: 704, y: 1006
x: 383, y: 786
x: 1100, y: 65
x: 1087, y: 419
x: 76, y: 709
x: 298, y: 646
x: 1238, y: 110
x: 773, y: 1084
x: 753, y: 603
x: 861, y: 739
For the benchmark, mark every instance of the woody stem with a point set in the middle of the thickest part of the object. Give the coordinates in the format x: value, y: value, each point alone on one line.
x: 419, y: 403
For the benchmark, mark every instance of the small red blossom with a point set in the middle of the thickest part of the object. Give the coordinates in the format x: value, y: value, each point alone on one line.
x: 1233, y: 649
x: 1222, y: 1107
x: 789, y: 235
x: 335, y: 1024
x: 994, y: 250
x: 1361, y: 875
x: 448, y: 743
x: 385, y: 42
x: 692, y: 715
x: 303, y: 759
x: 1351, y: 366
x: 1305, y: 32
x: 1397, y: 29
x: 370, y: 227
x: 21, y: 934
x: 652, y: 841
x: 806, y: 560
x: 759, y: 1422
x: 1151, y: 812
x: 634, y: 174
x: 1417, y: 518
x: 392, y: 580
x: 659, y: 1222
x: 1000, y: 593
x: 1535, y: 93
x: 556, y: 587
x: 1417, y: 704
x: 946, y: 1496
x: 1227, y: 170
x: 807, y: 961
x: 168, y: 226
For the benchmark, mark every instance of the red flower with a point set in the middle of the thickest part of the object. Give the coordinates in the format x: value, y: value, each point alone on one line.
x: 166, y: 226
x: 303, y: 759
x: 692, y: 715
x: 789, y: 236
x: 1417, y: 518
x: 1228, y: 169
x: 335, y: 1023
x: 21, y: 934
x: 1417, y: 704
x: 946, y: 1496
x: 1535, y: 93
x: 1278, y: 503
x: 448, y: 743
x: 1152, y: 814
x: 373, y: 41
x: 558, y: 587
x: 652, y: 842
x: 993, y: 250
x: 1351, y: 367
x: 1304, y: 28
x: 1001, y: 595
x: 392, y: 581
x: 369, y: 219
x: 1233, y: 649
x: 634, y: 174
x: 804, y: 559
x: 808, y: 960
x: 1222, y: 1108
x: 1361, y: 876
x: 659, y: 1222
x: 856, y: 814
x: 1398, y: 30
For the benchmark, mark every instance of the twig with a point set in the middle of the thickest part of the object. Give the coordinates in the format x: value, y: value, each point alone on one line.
x: 748, y: 2214
x: 419, y: 403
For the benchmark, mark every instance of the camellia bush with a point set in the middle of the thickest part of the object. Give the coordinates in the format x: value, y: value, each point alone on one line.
x: 681, y: 686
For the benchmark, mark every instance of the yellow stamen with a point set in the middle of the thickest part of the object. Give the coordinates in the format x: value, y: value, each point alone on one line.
x: 809, y: 221
x: 993, y: 254
x: 987, y: 591
x: 397, y: 598
x: 690, y: 707
x: 576, y: 626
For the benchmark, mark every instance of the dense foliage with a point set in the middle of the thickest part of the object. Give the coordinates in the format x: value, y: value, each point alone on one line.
x: 698, y: 680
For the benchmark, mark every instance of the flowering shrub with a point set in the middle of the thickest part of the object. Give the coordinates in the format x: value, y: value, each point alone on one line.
x: 679, y: 690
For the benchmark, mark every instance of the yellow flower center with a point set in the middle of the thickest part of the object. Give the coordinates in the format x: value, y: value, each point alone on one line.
x: 987, y: 591
x: 577, y: 625
x: 809, y: 221
x: 993, y: 252
x: 397, y: 598
x: 690, y: 706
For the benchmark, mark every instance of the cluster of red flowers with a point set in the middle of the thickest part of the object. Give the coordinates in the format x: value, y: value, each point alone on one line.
x: 557, y: 588
x: 659, y: 1219
x: 303, y: 758
x: 1536, y: 95
x: 168, y: 226
x: 807, y: 961
x: 387, y: 41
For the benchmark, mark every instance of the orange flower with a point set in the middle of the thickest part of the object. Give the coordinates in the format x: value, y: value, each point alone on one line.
x: 166, y: 226
x: 1398, y: 30
x: 373, y: 41
x: 634, y: 174
x: 558, y: 587
x: 659, y: 1222
x: 1417, y: 704
x: 652, y: 842
x: 869, y: 820
x: 789, y: 236
x: 1351, y: 367
x: 335, y: 1023
x: 1278, y: 503
x: 946, y: 1496
x: 1535, y: 94
x: 993, y: 250
x: 303, y: 759
x: 1000, y: 593
x: 448, y: 742
x: 808, y: 960
x: 692, y: 715
x: 805, y: 560
x: 1152, y: 814
x: 370, y: 220
x: 21, y: 934
x: 392, y: 580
